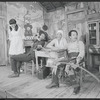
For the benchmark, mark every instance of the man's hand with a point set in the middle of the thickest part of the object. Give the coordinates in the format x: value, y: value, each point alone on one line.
x: 74, y: 65
x: 78, y: 59
x: 39, y: 47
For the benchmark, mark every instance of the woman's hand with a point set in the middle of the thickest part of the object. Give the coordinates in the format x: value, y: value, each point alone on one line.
x: 48, y: 50
x: 54, y: 48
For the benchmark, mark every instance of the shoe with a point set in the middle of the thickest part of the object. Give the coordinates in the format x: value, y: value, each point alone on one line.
x: 52, y: 85
x: 76, y: 90
x: 13, y: 75
x: 49, y: 76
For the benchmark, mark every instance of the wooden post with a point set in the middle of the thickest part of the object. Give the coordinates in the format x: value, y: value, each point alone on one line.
x: 33, y: 69
x: 25, y: 67
x: 66, y: 23
x: 36, y: 61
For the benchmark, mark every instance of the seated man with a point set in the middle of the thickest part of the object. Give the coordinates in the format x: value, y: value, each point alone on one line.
x: 44, y: 29
x: 75, y: 49
x: 16, y: 60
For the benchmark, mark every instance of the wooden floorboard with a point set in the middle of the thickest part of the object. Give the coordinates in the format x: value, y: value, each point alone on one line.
x: 27, y: 86
x: 2, y: 93
x: 34, y: 92
x: 84, y: 87
x: 31, y: 88
x: 15, y: 84
x: 18, y: 90
x: 56, y: 92
x: 87, y: 91
x: 45, y: 93
x: 98, y: 96
x: 66, y: 93
x: 94, y: 92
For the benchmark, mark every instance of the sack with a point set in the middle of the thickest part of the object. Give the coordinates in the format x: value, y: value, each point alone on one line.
x: 43, y: 72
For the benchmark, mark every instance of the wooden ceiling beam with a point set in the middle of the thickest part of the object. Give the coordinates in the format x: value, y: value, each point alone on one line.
x: 44, y: 8
x: 53, y: 5
x: 51, y: 10
x: 62, y: 4
x: 50, y: 6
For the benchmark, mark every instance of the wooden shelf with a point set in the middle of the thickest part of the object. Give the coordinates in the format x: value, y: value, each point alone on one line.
x: 75, y: 11
x: 92, y: 38
x: 76, y: 21
x: 93, y: 17
x: 94, y: 46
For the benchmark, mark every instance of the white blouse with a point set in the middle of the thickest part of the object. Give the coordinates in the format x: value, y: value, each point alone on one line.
x: 60, y: 45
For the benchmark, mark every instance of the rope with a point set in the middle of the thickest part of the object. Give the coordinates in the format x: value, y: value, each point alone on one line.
x: 85, y: 71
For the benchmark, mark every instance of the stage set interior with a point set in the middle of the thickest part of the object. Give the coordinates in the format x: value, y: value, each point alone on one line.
x: 83, y: 16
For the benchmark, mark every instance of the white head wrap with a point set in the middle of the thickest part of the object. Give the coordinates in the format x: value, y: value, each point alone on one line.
x: 60, y: 31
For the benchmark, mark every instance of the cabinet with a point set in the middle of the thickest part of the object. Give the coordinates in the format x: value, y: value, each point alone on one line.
x: 93, y: 38
x: 94, y: 32
x: 94, y: 42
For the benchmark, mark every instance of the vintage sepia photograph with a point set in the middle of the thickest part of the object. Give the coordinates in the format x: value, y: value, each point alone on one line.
x: 49, y: 49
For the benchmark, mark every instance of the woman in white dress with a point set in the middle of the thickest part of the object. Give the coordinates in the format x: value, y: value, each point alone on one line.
x: 16, y: 38
x: 59, y: 43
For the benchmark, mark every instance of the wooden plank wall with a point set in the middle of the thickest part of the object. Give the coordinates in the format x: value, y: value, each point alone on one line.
x: 3, y: 50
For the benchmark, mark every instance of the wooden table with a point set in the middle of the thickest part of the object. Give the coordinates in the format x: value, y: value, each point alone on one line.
x: 47, y: 54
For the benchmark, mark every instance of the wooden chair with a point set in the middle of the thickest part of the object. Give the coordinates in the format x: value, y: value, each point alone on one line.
x: 63, y: 73
x: 82, y: 72
x: 27, y: 66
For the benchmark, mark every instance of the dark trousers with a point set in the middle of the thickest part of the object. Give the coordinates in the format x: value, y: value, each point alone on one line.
x: 16, y: 60
x: 55, y: 78
x: 75, y: 77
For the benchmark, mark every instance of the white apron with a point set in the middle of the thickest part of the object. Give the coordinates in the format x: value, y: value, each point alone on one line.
x: 16, y: 42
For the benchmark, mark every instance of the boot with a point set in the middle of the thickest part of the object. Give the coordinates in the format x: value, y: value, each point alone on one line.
x: 76, y: 90
x: 51, y: 85
x: 14, y: 75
